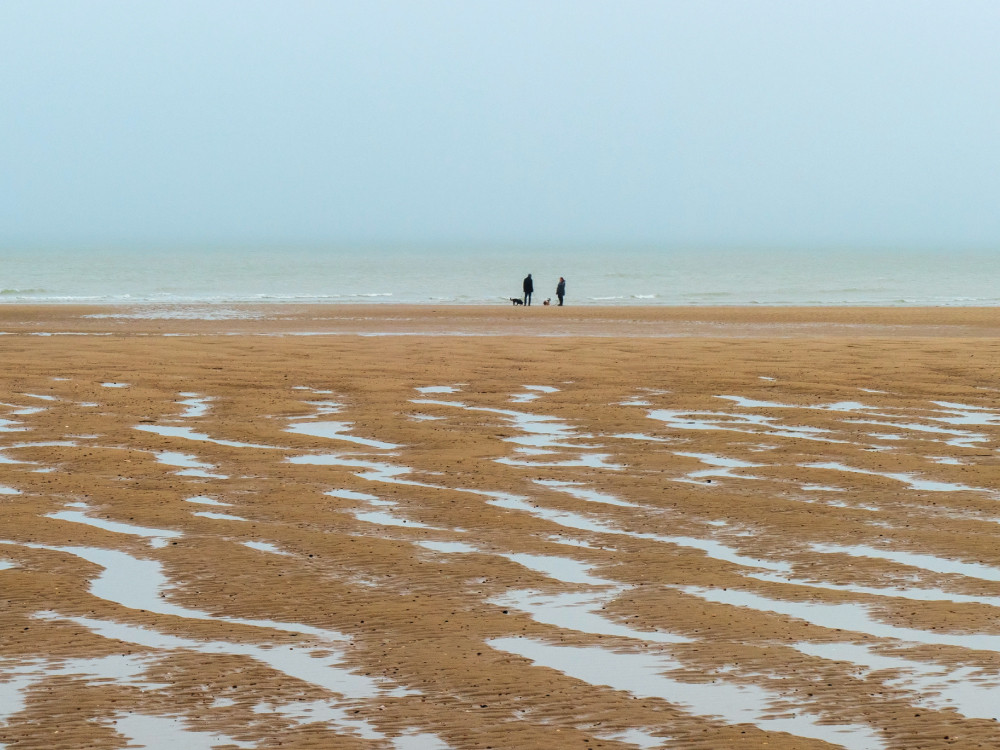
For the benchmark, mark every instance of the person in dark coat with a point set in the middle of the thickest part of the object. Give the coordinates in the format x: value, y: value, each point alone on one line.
x: 529, y: 288
x: 561, y: 290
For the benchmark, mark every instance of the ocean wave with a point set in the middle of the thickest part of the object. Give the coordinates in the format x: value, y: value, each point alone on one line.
x: 854, y: 290
x: 696, y: 295
x: 283, y: 298
x: 56, y: 299
x: 18, y: 292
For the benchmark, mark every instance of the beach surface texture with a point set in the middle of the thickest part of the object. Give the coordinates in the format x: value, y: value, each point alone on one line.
x: 421, y: 528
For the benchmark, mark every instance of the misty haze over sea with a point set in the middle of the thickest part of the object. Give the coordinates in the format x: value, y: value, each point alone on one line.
x: 411, y: 152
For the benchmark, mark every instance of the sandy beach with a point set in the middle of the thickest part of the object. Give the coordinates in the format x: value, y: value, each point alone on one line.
x: 419, y: 527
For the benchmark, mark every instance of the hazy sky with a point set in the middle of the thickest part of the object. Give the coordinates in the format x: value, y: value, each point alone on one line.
x: 790, y: 122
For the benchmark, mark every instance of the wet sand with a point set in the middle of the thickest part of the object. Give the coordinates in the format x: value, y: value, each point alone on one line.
x: 456, y: 527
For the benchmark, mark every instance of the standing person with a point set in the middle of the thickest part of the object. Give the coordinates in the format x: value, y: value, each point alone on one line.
x: 561, y: 290
x: 529, y: 288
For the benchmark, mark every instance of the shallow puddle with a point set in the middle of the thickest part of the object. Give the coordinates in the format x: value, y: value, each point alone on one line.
x: 917, y: 560
x: 48, y: 444
x: 312, y: 712
x: 562, y: 569
x: 532, y: 393
x: 959, y: 438
x: 844, y: 616
x: 382, y: 518
x: 337, y: 431
x: 157, y: 536
x: 912, y: 481
x: 642, y: 437
x: 722, y: 467
x: 323, y: 408
x: 9, y: 425
x: 947, y: 460
x: 542, y: 433
x: 20, y: 676
x: 376, y: 471
x: 448, y: 548
x: 201, y: 474
x: 27, y: 410
x: 320, y: 668
x: 583, y: 461
x: 749, y: 403
x: 218, y: 516
x: 963, y: 414
x: 878, y: 436
x: 414, y: 740
x: 744, y: 423
x: 189, y: 434
x: 343, y: 719
x: 644, y: 675
x: 196, y: 406
x: 523, y: 398
x: 911, y: 594
x: 638, y: 737
x: 141, y: 584
x: 712, y: 549
x: 579, y: 612
x: 967, y: 690
x: 185, y: 460
x: 12, y: 691
x: 265, y: 547
x: 351, y: 495
x: 166, y: 731
x: 575, y: 489
x: 202, y: 500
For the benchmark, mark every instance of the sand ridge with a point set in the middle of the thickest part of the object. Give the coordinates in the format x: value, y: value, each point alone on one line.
x: 618, y: 528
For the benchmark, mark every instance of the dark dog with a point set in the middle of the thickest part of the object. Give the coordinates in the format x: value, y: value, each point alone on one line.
x: 516, y: 301
x: 547, y: 301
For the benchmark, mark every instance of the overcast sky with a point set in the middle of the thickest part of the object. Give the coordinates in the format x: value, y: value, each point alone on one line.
x: 679, y: 122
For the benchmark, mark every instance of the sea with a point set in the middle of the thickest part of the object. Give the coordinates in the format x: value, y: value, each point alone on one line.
x: 478, y: 275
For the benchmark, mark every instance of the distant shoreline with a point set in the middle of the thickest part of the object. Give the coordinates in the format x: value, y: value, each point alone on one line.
x: 499, y: 320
